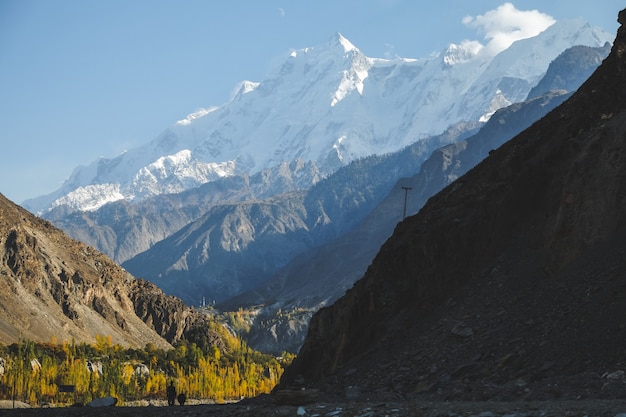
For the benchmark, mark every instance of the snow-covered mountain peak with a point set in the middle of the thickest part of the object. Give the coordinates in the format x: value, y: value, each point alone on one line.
x: 248, y: 86
x: 245, y: 87
x: 341, y: 41
x: 335, y: 68
x: 523, y: 57
x: 329, y: 104
x: 195, y: 115
x: 458, y: 54
x: 337, y: 48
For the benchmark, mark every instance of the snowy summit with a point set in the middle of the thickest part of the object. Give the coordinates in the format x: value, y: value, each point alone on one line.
x: 328, y: 104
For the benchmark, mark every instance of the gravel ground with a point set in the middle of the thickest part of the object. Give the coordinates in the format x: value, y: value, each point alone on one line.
x: 596, y: 408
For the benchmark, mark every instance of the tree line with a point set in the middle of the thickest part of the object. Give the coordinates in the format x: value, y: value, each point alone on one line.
x: 70, y: 372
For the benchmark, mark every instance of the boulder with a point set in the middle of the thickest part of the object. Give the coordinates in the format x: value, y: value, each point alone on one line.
x: 103, y: 402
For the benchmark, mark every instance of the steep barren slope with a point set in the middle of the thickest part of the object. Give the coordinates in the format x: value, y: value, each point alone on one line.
x: 53, y: 287
x: 512, y: 276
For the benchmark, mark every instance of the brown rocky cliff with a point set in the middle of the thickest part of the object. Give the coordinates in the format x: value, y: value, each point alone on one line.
x: 169, y: 316
x: 55, y: 288
x: 521, y: 258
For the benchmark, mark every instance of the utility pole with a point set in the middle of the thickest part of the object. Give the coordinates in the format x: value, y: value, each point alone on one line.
x: 406, y: 192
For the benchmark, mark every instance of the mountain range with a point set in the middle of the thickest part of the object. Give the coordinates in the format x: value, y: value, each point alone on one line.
x: 246, y: 233
x: 508, y: 284
x: 504, y: 286
x: 320, y: 276
x: 328, y: 104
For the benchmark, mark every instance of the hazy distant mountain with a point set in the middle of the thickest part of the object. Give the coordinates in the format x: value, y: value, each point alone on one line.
x: 128, y: 227
x: 571, y: 69
x: 123, y: 229
x: 507, y: 283
x: 328, y: 104
x: 235, y: 247
x: 238, y: 231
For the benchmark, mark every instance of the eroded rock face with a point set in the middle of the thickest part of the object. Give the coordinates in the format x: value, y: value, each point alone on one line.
x: 167, y: 315
x: 526, y: 249
x: 54, y: 288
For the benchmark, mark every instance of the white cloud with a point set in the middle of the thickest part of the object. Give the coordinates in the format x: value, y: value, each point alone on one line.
x: 472, y: 47
x: 505, y: 24
x: 281, y: 12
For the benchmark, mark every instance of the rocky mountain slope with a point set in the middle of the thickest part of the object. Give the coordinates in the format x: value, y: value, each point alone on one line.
x: 509, y: 283
x: 54, y: 287
x: 123, y: 229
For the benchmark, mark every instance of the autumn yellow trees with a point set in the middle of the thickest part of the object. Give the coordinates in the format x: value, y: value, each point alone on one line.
x: 69, y: 373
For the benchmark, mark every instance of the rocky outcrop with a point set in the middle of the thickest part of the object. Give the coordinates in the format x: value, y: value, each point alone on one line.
x: 167, y: 315
x: 55, y: 288
x: 526, y: 250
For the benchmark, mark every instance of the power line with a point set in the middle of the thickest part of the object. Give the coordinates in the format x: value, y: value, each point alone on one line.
x: 406, y: 192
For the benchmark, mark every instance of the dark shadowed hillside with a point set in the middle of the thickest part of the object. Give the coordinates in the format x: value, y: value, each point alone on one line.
x: 509, y: 283
x: 318, y: 277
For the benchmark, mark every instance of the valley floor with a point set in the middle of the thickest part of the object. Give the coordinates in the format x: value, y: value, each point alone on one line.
x: 595, y: 408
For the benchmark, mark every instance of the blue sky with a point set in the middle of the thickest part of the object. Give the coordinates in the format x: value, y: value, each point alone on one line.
x: 83, y: 79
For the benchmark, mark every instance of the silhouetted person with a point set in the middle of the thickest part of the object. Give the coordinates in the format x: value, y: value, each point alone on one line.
x: 171, y: 394
x: 182, y: 398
